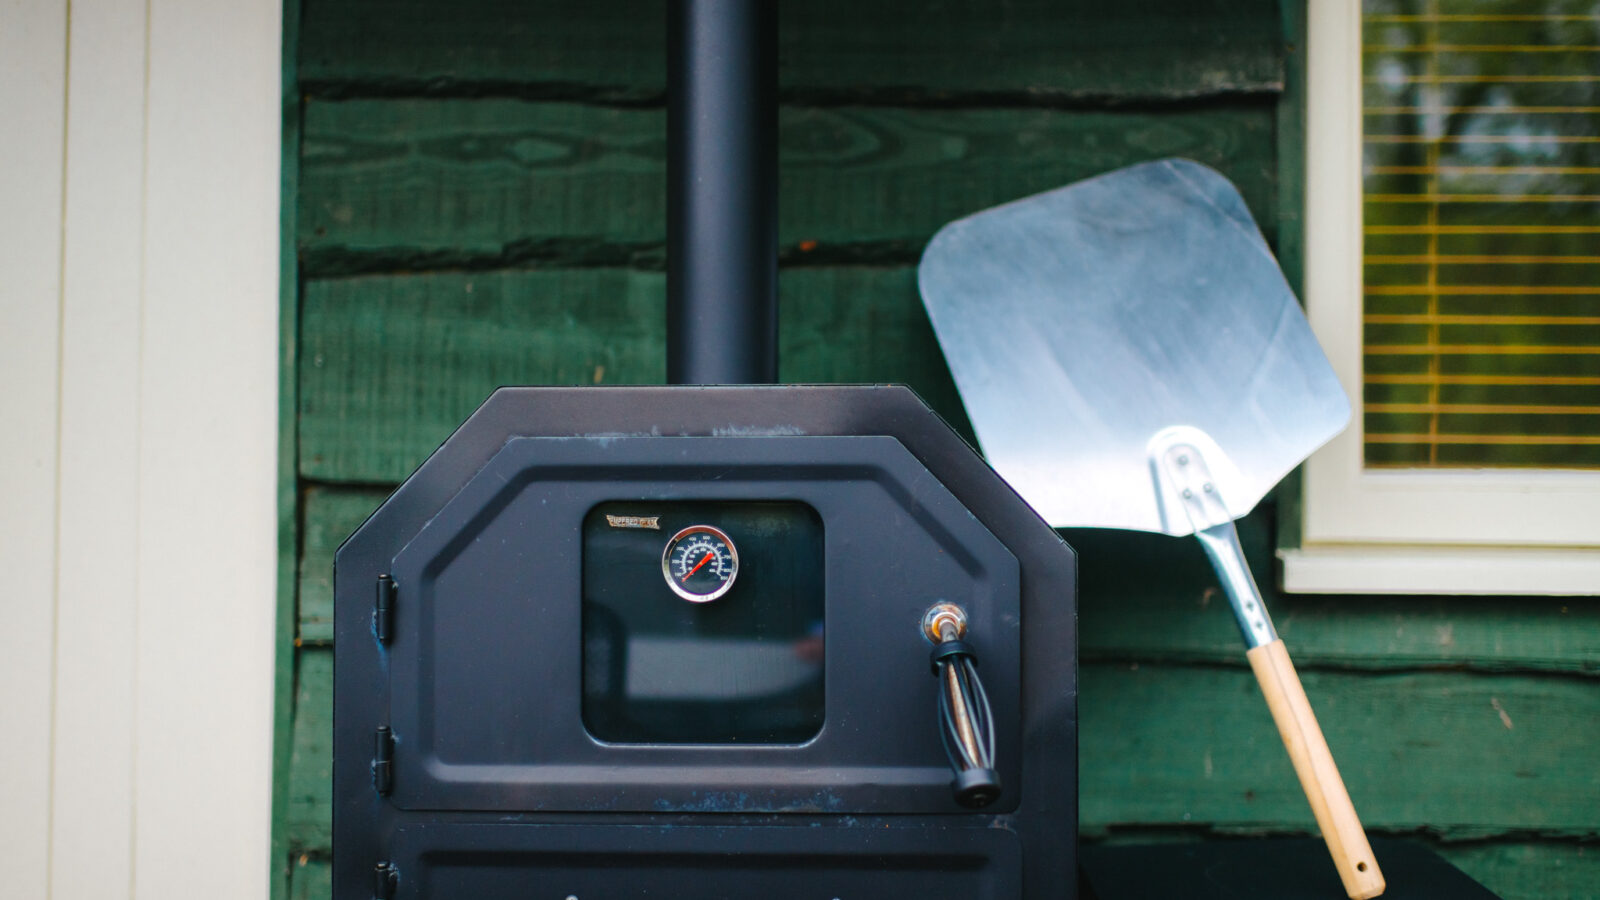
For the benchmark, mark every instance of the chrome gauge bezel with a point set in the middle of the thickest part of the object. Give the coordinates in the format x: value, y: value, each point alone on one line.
x: 677, y: 539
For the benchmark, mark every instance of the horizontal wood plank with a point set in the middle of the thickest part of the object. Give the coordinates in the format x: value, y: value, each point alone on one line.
x: 309, y: 822
x: 391, y: 365
x: 1433, y: 751
x: 615, y: 49
x: 329, y: 516
x: 1175, y: 611
x: 863, y: 325
x: 311, y: 878
x: 1525, y: 870
x: 405, y: 184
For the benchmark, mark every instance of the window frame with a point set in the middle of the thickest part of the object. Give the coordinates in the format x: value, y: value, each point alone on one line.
x: 1405, y: 530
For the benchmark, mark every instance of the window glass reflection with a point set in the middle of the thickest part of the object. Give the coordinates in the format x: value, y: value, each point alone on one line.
x: 746, y: 666
x: 1481, y: 163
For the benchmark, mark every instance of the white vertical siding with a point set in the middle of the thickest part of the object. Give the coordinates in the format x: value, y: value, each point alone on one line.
x: 33, y: 54
x: 96, y: 601
x: 208, y: 449
x: 138, y: 347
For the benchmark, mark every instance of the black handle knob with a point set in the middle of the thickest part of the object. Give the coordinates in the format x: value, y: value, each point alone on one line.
x: 966, y: 724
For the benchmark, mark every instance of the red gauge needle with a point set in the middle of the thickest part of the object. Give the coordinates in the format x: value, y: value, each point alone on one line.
x: 708, y: 558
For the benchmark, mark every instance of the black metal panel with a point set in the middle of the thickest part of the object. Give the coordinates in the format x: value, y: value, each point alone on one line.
x: 707, y: 862
x: 370, y: 827
x: 1266, y: 869
x: 486, y: 666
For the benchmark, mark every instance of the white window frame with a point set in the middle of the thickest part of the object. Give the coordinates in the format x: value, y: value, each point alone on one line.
x: 1391, y: 530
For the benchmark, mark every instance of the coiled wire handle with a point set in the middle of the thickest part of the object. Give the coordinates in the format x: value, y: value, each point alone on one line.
x: 966, y: 724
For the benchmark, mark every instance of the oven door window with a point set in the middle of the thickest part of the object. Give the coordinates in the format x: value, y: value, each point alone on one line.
x: 703, y: 622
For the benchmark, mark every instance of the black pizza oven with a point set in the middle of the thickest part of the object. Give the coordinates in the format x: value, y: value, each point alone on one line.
x: 531, y: 700
x: 706, y: 641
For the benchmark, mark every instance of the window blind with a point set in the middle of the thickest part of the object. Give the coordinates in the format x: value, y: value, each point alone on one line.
x: 1481, y: 171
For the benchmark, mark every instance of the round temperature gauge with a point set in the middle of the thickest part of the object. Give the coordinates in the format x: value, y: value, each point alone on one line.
x: 700, y: 563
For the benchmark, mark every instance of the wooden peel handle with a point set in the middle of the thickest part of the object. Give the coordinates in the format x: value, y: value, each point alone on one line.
x: 1180, y: 459
x: 1319, y: 777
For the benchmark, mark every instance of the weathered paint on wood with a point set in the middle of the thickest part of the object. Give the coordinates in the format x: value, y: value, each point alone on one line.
x: 863, y: 325
x: 391, y: 365
x: 311, y: 877
x: 1566, y: 870
x: 1419, y: 752
x: 408, y: 183
x: 1147, y: 597
x: 287, y: 620
x: 309, y: 824
x: 330, y: 516
x: 1035, y: 49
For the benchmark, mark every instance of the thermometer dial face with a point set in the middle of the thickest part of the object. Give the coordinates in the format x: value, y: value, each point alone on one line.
x: 700, y: 563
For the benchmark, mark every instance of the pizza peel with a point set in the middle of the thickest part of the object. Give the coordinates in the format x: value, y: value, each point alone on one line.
x: 1131, y: 357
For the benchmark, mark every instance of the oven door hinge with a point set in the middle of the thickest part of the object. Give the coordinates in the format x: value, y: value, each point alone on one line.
x: 385, y: 878
x: 383, y: 760
x: 383, y: 610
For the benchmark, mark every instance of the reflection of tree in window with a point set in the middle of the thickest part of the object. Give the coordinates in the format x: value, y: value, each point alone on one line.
x: 1481, y: 165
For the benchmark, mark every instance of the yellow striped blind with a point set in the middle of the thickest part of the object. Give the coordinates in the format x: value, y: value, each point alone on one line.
x: 1481, y: 171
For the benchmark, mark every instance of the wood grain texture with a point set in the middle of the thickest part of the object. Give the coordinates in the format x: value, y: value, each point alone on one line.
x: 287, y: 620
x: 391, y: 365
x: 1518, y: 870
x: 310, y: 877
x: 1151, y: 598
x: 615, y: 49
x: 430, y: 183
x: 1434, y: 752
x: 1318, y: 772
x: 330, y: 516
x: 309, y: 823
x: 863, y: 325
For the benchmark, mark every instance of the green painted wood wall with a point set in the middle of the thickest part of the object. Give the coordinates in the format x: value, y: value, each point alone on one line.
x: 476, y: 196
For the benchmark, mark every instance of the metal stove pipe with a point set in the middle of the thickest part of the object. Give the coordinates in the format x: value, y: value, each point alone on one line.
x: 722, y: 192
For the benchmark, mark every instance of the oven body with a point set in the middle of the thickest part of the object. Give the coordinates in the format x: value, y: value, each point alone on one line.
x: 525, y: 707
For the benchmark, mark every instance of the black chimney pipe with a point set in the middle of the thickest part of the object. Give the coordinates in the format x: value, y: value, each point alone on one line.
x: 722, y: 192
